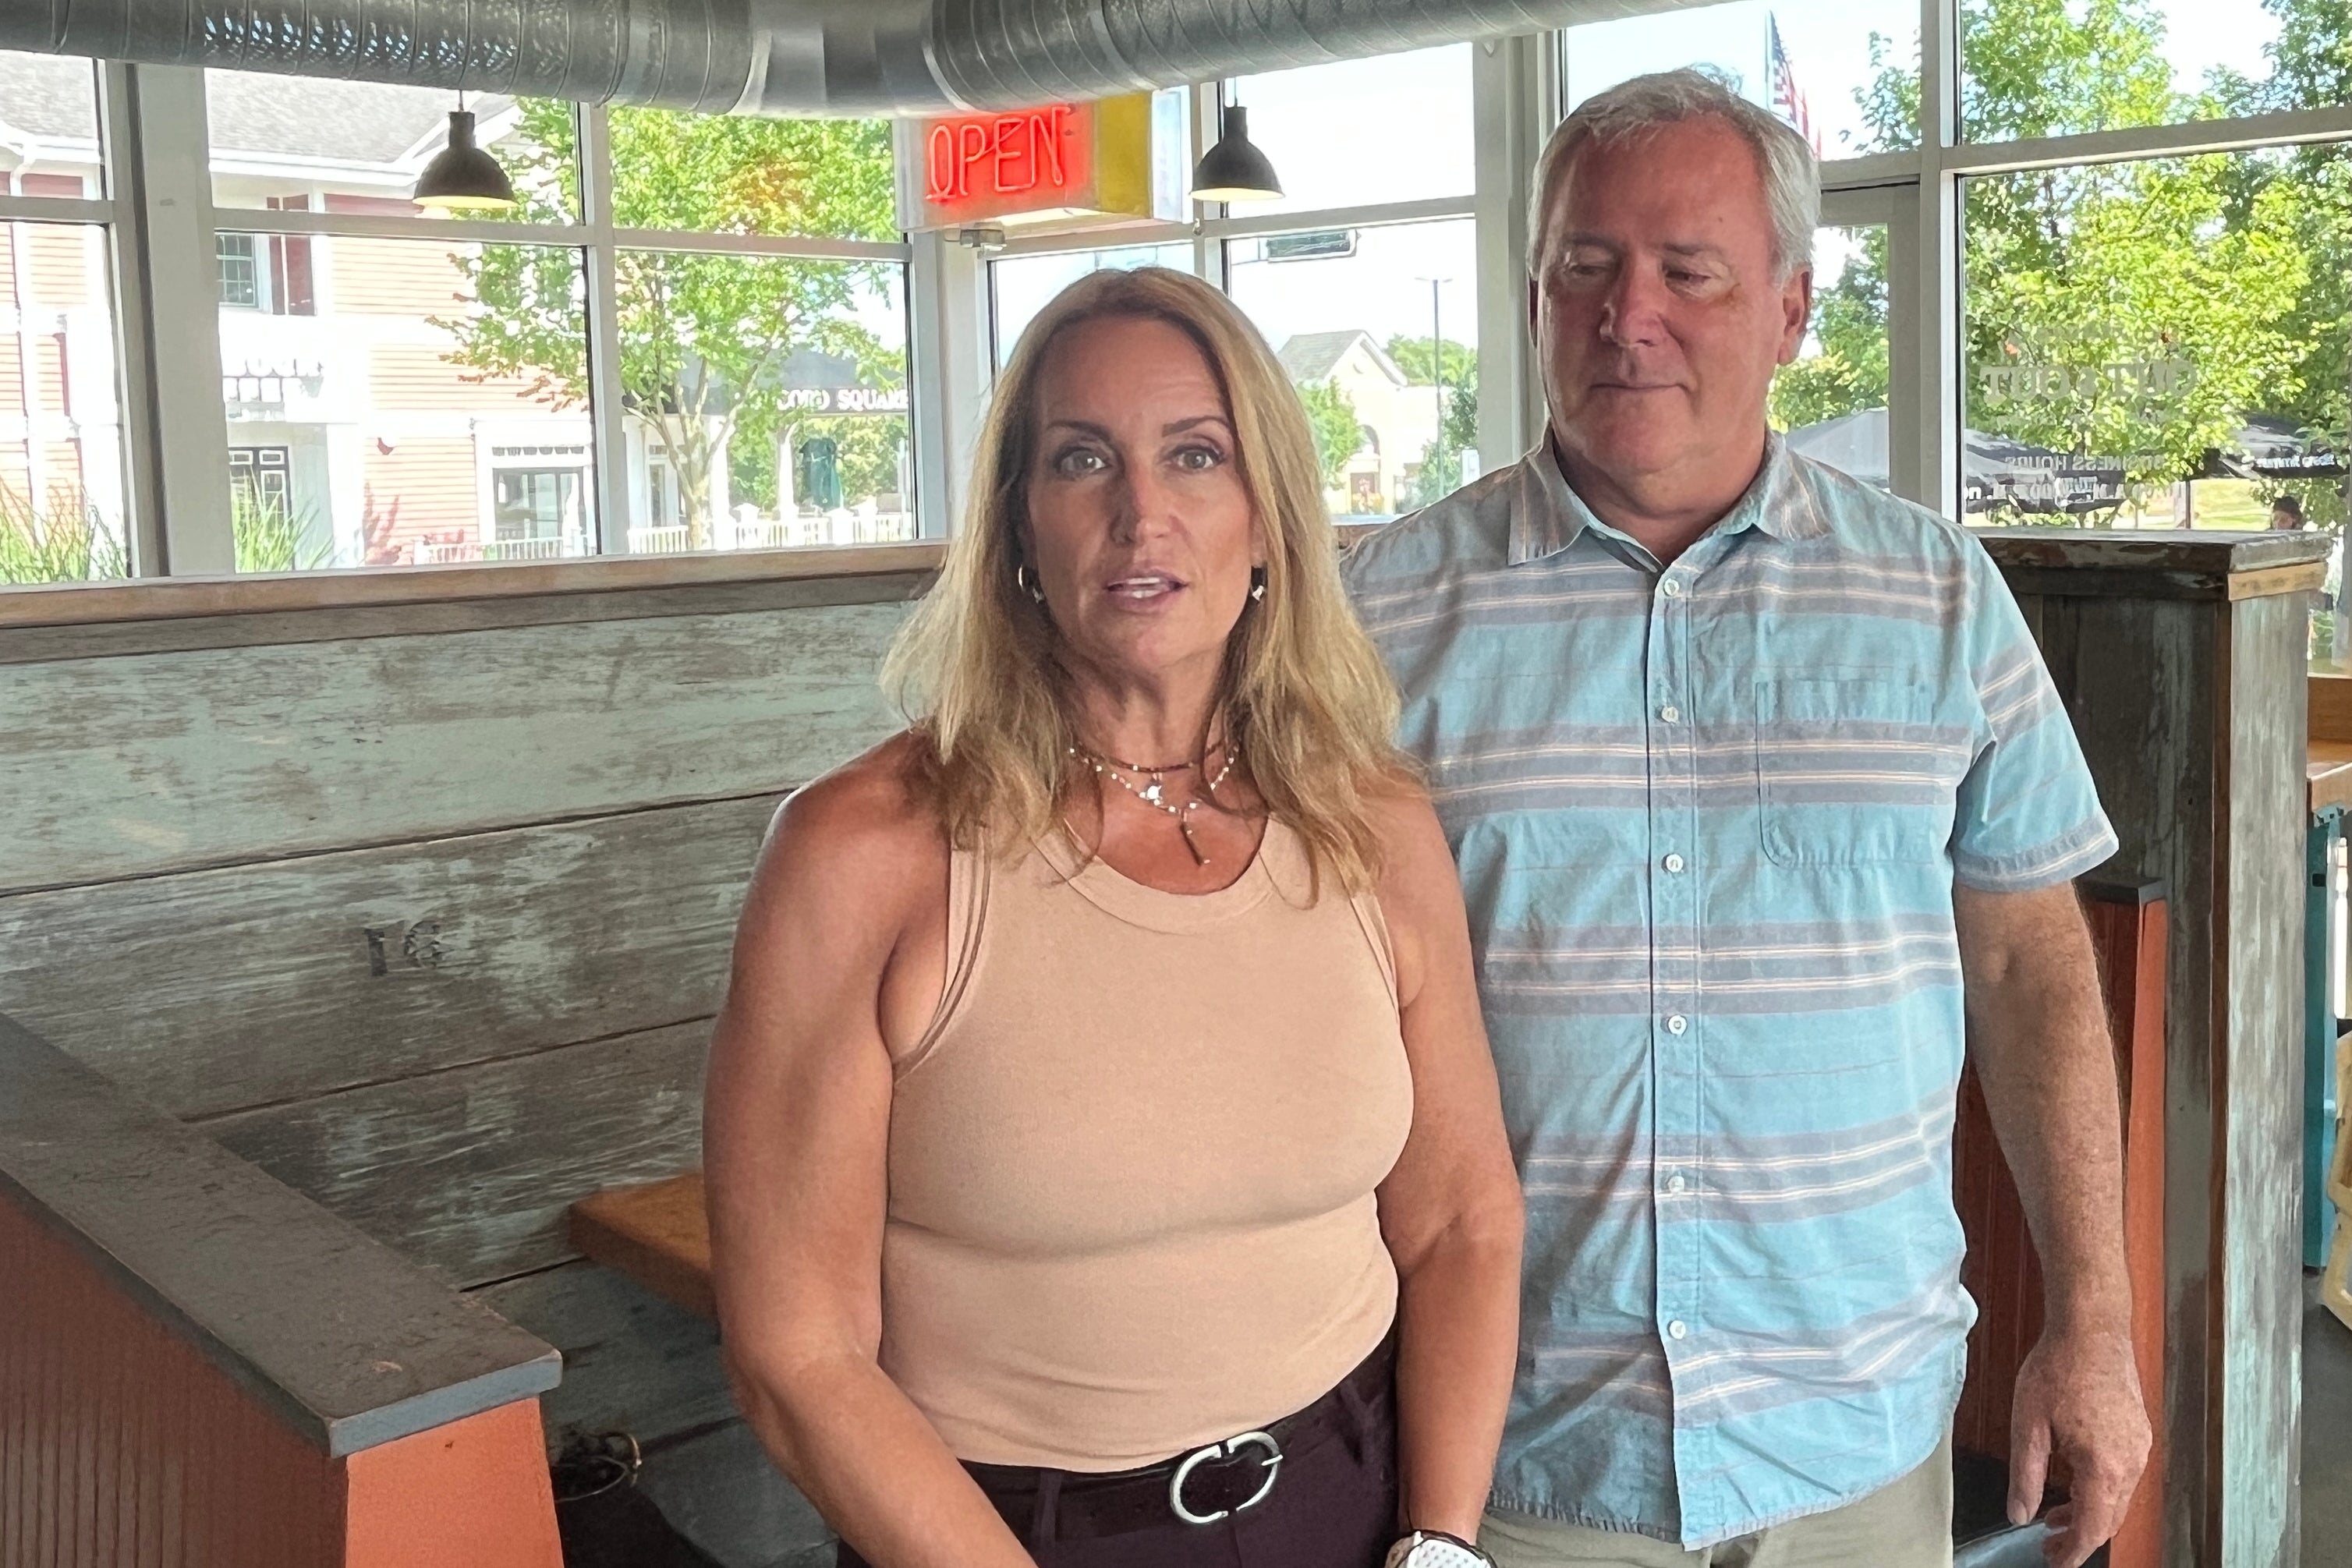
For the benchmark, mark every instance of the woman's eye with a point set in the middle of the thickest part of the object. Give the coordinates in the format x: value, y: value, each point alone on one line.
x: 1198, y: 459
x: 1078, y: 461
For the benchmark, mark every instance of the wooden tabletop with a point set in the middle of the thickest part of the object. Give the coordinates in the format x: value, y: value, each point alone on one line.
x: 656, y: 1233
x: 2329, y: 773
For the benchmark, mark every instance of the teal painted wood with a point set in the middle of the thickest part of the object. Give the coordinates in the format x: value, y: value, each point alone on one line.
x: 139, y: 764
x: 2320, y: 1030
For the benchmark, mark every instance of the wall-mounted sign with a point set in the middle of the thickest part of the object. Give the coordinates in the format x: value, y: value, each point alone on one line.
x: 1061, y: 161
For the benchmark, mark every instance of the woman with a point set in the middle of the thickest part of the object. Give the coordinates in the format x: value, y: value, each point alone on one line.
x: 1102, y: 1076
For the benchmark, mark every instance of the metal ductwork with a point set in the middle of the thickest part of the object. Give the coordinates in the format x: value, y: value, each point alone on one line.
x: 776, y: 57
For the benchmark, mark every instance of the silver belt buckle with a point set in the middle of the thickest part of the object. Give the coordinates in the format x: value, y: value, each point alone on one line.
x: 1227, y: 1449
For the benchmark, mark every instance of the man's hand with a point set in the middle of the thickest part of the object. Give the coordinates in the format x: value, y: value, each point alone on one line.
x: 2078, y: 1395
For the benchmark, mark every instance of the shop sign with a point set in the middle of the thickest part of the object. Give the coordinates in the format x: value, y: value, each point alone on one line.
x: 846, y: 400
x: 1059, y: 161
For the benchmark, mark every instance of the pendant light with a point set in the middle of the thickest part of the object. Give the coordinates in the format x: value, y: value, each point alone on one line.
x: 1234, y: 169
x: 463, y: 177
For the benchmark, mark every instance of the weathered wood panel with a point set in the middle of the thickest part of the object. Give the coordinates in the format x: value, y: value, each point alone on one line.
x: 334, y: 623
x: 718, y: 1490
x: 2137, y: 678
x: 211, y: 991
x: 137, y: 764
x: 2259, y: 1085
x: 632, y: 1361
x: 468, y: 1172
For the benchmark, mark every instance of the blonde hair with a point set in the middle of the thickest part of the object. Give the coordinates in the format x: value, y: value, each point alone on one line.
x: 1304, y: 694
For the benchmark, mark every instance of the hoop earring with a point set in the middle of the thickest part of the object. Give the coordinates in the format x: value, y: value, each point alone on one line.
x: 1258, y: 585
x: 1021, y: 580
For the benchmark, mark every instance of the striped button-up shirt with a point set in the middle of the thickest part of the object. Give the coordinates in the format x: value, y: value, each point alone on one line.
x: 1708, y: 817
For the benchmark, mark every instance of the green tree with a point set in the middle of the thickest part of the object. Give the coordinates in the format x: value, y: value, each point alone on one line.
x: 1847, y: 372
x: 703, y: 337
x: 1440, y: 474
x: 1339, y: 433
x: 2129, y: 310
x: 1412, y: 357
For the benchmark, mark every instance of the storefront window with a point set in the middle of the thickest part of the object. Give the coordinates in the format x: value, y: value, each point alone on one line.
x: 767, y: 402
x: 1832, y: 401
x: 1392, y: 129
x: 1844, y: 72
x: 2160, y: 344
x: 1378, y: 328
x: 747, y: 174
x: 1021, y: 285
x: 2035, y: 67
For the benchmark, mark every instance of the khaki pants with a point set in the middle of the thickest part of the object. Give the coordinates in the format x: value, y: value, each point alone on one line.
x: 1905, y: 1525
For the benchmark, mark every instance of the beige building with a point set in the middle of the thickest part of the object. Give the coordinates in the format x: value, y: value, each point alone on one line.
x: 1400, y: 420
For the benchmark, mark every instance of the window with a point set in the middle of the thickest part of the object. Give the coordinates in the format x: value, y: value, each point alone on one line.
x: 2161, y: 344
x: 1396, y: 128
x: 287, y: 142
x: 1832, y: 402
x: 2032, y: 68
x: 1378, y: 328
x: 435, y: 399
x: 1844, y: 72
x: 1020, y: 286
x: 64, y: 515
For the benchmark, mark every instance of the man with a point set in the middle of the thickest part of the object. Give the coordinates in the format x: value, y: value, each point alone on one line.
x: 1754, y: 778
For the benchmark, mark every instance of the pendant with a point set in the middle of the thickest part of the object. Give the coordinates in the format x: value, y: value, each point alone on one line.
x: 1151, y: 793
x: 1184, y: 824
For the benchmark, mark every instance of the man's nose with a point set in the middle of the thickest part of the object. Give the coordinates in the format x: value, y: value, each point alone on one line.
x: 1635, y: 311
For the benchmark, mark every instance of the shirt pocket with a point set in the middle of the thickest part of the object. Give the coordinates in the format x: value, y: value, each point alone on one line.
x: 1852, y: 770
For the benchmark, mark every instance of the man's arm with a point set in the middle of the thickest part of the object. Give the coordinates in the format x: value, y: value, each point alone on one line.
x: 2038, y: 1031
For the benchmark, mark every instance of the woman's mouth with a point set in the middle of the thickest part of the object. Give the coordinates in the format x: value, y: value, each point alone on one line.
x: 1143, y: 587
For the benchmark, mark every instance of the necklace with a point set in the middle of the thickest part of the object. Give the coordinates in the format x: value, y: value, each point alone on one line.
x: 1154, y: 792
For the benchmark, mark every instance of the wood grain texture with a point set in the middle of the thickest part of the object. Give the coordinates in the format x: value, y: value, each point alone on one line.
x: 469, y: 1172
x: 331, y: 623
x: 139, y: 764
x: 2329, y: 705
x: 2137, y: 679
x: 632, y: 1361
x: 247, y: 985
x: 657, y: 1233
x: 77, y: 603
x: 2258, y: 1092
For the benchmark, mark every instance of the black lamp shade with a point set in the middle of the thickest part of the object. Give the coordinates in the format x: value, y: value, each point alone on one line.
x: 462, y: 177
x: 1234, y: 169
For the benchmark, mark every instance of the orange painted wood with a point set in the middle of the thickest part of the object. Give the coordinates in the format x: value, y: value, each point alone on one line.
x: 122, y: 1444
x: 2002, y: 1270
x: 472, y: 1494
x: 657, y: 1233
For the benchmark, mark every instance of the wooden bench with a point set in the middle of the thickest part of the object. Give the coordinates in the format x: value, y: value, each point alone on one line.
x: 657, y: 1233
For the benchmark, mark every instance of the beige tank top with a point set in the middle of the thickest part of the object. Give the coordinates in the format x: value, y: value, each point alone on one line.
x: 1132, y: 1160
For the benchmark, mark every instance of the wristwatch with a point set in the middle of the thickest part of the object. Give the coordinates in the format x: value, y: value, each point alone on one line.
x: 1436, y: 1548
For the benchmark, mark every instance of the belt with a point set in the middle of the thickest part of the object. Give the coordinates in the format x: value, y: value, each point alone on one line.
x: 1199, y: 1488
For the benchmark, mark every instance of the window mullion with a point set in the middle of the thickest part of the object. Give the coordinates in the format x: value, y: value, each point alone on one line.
x: 1925, y: 444
x: 165, y: 176
x: 610, y: 436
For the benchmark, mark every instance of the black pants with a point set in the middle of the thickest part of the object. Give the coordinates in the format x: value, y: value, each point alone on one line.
x: 1334, y: 1505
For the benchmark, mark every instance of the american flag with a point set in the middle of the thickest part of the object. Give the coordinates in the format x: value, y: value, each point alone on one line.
x: 1787, y: 98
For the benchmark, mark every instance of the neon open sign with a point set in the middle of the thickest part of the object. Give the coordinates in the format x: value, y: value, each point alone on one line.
x: 1059, y: 158
x: 1005, y: 155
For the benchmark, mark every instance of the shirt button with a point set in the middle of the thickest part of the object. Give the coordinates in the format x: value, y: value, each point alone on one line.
x: 1674, y: 862
x: 1676, y: 1024
x: 1671, y: 714
x: 1671, y: 588
x: 1675, y: 1182
x: 1678, y: 1329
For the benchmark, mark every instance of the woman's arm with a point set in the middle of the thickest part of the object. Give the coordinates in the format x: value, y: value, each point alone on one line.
x: 796, y: 1130
x: 1450, y: 1209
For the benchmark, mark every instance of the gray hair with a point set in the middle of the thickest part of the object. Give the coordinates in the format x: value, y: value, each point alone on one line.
x: 1792, y: 181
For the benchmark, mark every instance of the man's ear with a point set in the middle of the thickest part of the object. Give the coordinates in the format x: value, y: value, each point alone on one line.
x: 1535, y: 311
x: 1797, y: 313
